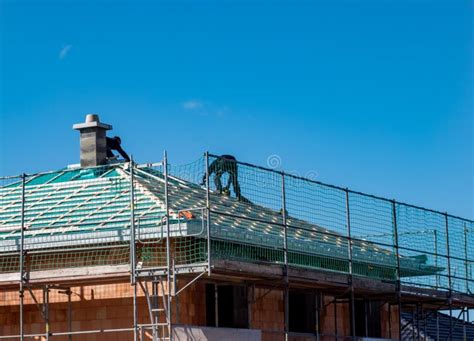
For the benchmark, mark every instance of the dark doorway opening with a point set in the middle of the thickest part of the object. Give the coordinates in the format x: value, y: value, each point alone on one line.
x: 302, y: 309
x: 231, y: 303
x: 367, y: 318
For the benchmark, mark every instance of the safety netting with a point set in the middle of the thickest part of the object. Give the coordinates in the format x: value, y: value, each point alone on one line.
x: 88, y: 217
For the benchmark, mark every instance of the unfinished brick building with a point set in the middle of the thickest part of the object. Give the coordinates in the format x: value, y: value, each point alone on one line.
x: 123, y: 251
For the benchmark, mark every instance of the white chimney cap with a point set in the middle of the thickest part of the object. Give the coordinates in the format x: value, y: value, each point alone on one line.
x: 92, y: 118
x: 92, y: 121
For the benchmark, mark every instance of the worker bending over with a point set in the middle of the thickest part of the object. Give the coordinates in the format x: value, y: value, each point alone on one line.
x: 225, y: 164
x: 114, y: 143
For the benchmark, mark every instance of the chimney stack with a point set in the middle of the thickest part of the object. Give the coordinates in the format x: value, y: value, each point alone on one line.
x: 93, y: 141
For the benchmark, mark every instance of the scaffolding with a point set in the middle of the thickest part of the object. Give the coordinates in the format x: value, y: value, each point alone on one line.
x: 159, y: 221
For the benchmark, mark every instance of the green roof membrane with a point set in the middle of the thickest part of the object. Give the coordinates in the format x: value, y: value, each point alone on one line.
x: 83, y: 208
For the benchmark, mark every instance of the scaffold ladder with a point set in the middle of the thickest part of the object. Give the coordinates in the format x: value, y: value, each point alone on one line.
x: 158, y: 301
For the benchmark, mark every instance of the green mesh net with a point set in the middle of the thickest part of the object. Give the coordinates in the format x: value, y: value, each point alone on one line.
x: 82, y: 217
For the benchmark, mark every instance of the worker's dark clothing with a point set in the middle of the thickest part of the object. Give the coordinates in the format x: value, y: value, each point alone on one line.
x: 114, y: 144
x: 225, y: 164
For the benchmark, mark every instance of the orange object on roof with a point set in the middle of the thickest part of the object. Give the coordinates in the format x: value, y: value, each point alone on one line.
x: 186, y: 214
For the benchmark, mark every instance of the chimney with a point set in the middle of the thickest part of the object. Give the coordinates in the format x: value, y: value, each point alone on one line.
x: 93, y: 141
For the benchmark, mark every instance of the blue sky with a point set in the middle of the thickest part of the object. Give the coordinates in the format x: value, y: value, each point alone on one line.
x: 373, y: 95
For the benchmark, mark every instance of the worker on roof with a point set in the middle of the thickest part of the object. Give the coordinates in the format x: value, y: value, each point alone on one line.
x: 114, y: 143
x: 225, y: 164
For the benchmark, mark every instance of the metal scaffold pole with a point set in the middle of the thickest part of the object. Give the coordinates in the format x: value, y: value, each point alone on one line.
x: 397, y: 254
x: 319, y: 303
x: 208, y: 217
x: 449, y: 277
x: 435, y: 233
x: 168, y: 248
x: 22, y: 254
x: 437, y: 325
x: 464, y: 331
x: 46, y: 311
x: 351, y: 284
x: 132, y: 249
x: 466, y: 263
x: 69, y: 313
x: 285, y: 253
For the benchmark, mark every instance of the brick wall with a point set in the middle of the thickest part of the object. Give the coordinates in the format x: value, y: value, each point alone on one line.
x: 105, y: 306
x: 328, y: 324
x: 389, y: 322
x: 109, y: 306
x: 267, y: 313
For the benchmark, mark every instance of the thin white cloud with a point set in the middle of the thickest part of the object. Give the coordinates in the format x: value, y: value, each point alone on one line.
x: 64, y: 52
x: 205, y: 108
x: 192, y: 105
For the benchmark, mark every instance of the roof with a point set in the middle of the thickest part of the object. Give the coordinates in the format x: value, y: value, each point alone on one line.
x: 92, y: 206
x: 434, y: 325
